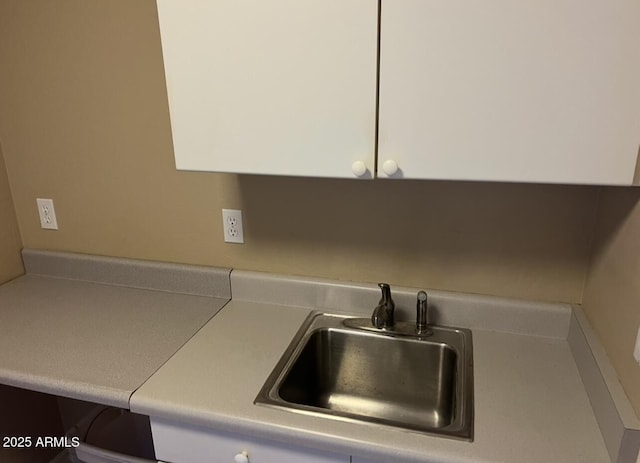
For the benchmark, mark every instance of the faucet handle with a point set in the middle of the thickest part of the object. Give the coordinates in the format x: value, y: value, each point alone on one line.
x: 383, y: 314
x: 386, y: 290
x: 386, y: 298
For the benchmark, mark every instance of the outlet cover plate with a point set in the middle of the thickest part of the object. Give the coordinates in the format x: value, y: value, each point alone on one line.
x: 47, y: 214
x: 232, y: 226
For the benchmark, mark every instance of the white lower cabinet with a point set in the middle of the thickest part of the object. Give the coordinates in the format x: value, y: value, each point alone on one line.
x: 178, y: 443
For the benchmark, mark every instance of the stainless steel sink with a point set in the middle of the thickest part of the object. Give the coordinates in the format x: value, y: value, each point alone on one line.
x: 413, y: 382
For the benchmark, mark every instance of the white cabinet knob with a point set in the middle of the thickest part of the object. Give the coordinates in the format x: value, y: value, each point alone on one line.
x: 389, y: 167
x: 242, y: 457
x: 359, y: 168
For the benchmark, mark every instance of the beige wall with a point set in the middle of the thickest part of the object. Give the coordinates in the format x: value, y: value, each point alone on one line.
x: 84, y: 120
x: 612, y: 293
x: 10, y: 242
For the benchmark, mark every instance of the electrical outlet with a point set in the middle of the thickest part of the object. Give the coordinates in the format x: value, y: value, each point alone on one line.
x: 232, y: 223
x: 47, y: 214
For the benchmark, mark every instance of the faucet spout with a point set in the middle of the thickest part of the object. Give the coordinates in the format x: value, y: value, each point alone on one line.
x: 383, y: 314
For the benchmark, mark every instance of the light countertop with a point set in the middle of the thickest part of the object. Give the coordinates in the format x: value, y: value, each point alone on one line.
x: 143, y: 336
x: 530, y: 402
x: 91, y: 341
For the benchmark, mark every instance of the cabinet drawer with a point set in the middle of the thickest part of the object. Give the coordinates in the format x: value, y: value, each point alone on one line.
x: 186, y: 444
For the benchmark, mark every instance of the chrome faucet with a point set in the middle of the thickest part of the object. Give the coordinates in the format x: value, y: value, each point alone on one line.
x: 383, y: 314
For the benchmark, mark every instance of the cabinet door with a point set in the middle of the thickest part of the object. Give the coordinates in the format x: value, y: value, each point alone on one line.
x: 532, y: 91
x: 283, y: 87
x: 189, y: 444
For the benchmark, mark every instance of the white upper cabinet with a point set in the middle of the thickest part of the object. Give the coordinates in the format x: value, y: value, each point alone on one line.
x: 524, y: 90
x: 499, y: 90
x: 282, y: 87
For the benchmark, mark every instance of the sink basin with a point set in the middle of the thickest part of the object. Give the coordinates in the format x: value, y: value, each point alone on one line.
x: 417, y: 383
